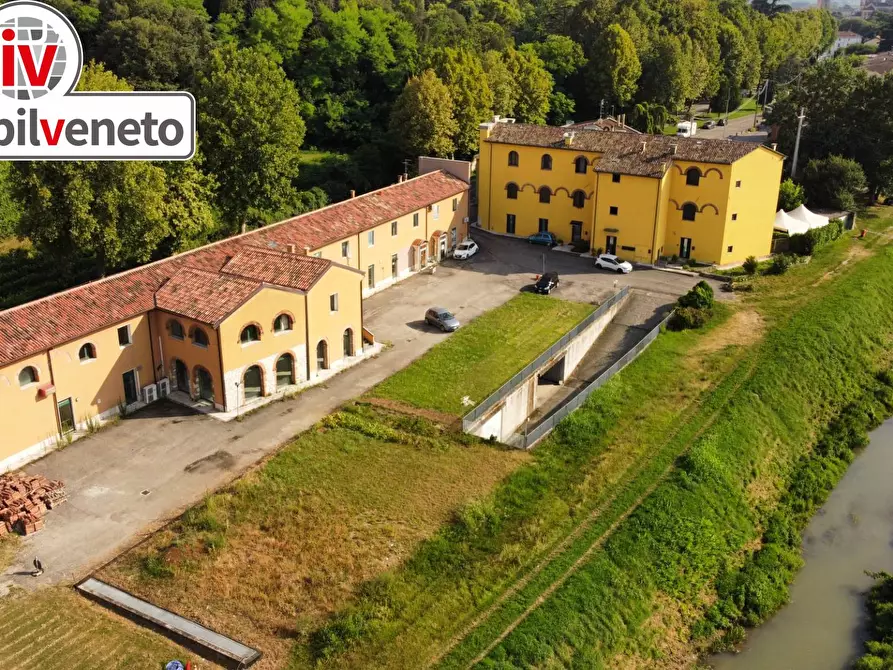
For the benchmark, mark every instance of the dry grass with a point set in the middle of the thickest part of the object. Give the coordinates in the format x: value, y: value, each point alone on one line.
x: 667, y: 630
x: 743, y: 328
x: 354, y: 507
x: 55, y: 629
x: 9, y: 547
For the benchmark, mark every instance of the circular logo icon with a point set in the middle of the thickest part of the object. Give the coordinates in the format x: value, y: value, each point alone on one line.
x: 40, y: 52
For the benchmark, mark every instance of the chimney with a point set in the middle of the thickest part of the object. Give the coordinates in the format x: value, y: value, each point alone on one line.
x: 644, y: 146
x: 399, y: 178
x: 306, y: 251
x: 675, y: 148
x: 292, y: 249
x: 775, y: 146
x: 353, y: 194
x: 569, y: 138
x: 244, y: 227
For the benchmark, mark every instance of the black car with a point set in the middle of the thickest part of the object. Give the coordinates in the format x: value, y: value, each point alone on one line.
x: 547, y: 283
x: 721, y: 122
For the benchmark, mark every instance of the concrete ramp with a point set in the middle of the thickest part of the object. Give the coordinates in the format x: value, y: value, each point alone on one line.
x: 204, y: 641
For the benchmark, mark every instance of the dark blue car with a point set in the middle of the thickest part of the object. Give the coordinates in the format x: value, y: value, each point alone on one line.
x: 546, y: 239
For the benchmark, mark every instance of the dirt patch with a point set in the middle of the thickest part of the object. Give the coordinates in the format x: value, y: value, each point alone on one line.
x: 743, y: 328
x: 219, y: 460
x: 856, y: 253
x: 449, y: 420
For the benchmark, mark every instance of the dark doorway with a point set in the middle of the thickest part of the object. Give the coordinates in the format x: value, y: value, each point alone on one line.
x: 576, y: 231
x: 611, y: 245
x: 66, y: 416
x: 253, y: 383
x: 322, y: 355
x: 131, y: 392
x: 181, y: 373
x: 205, y: 385
x: 685, y: 247
x: 285, y: 371
x: 348, y: 343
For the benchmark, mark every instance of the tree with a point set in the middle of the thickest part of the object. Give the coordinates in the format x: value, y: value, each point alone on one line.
x: 534, y: 85
x: 251, y: 132
x: 119, y: 212
x: 650, y: 118
x: 561, y: 56
x: 502, y: 84
x: 833, y: 182
x: 614, y: 72
x: 277, y: 30
x: 462, y: 72
x: 790, y: 195
x: 422, y: 119
x: 771, y: 7
x: 9, y: 208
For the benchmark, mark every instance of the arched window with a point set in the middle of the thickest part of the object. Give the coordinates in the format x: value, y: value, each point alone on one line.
x: 348, y: 342
x: 579, y: 199
x: 176, y: 329
x: 250, y: 333
x: 689, y: 210
x: 322, y: 355
x: 28, y: 375
x: 581, y: 164
x: 546, y: 162
x: 693, y: 176
x: 545, y: 195
x: 283, y: 323
x: 511, y: 191
x: 285, y: 371
x: 199, y: 337
x: 87, y: 352
x: 253, y: 381
x: 513, y: 159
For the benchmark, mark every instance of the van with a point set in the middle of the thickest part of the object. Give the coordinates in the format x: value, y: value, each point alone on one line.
x: 686, y: 129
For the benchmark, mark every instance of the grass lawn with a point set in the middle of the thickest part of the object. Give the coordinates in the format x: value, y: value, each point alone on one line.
x: 270, y: 558
x: 56, y: 629
x: 749, y: 106
x: 482, y: 355
x: 8, y: 244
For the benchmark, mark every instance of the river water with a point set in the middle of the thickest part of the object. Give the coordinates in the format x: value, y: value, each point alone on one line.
x: 823, y: 627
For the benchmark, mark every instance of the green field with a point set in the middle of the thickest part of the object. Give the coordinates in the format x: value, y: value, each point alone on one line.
x: 479, y: 357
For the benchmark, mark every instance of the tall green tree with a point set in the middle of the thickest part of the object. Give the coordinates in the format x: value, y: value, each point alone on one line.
x: 463, y: 73
x: 422, y: 120
x: 251, y: 132
x: 534, y: 85
x: 615, y: 69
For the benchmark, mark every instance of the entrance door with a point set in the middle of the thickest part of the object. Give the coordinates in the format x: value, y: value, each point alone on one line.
x: 285, y: 371
x: 253, y: 383
x: 576, y: 231
x: 443, y: 247
x: 322, y: 355
x: 131, y: 392
x: 685, y: 247
x: 205, y: 386
x: 394, y: 266
x: 611, y: 245
x: 370, y: 275
x: 66, y: 416
x: 181, y: 373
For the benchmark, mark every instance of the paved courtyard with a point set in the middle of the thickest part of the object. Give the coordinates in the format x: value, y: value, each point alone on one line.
x: 128, y: 480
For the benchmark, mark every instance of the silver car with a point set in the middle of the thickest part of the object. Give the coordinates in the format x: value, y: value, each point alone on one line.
x: 441, y: 318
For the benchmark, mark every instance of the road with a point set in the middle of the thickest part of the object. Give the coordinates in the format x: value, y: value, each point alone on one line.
x: 131, y: 478
x: 736, y: 129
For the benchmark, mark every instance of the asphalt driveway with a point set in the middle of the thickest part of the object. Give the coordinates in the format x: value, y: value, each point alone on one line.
x: 129, y: 479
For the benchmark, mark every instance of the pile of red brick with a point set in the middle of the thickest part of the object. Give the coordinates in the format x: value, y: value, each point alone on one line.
x: 25, y: 499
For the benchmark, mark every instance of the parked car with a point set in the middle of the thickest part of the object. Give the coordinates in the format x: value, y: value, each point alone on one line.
x: 611, y: 262
x: 466, y: 249
x: 547, y: 239
x: 441, y: 318
x: 709, y: 124
x: 721, y: 122
x: 547, y: 283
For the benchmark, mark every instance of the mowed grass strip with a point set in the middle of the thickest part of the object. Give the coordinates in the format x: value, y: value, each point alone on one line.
x: 484, y: 354
x: 55, y: 628
x: 271, y: 557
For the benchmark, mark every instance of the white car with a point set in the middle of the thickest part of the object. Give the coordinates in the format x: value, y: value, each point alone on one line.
x: 465, y: 250
x: 611, y: 262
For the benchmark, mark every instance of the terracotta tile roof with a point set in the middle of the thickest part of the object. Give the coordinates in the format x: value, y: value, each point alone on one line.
x: 623, y: 152
x: 208, y: 297
x: 42, y: 324
x: 608, y: 123
x: 275, y: 267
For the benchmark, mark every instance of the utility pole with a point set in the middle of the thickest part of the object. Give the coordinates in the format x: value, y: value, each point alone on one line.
x: 756, y: 105
x: 601, y: 109
x: 728, y: 98
x: 797, y: 142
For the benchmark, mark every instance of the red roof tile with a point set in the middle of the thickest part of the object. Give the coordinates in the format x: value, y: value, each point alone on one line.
x: 42, y: 324
x: 275, y: 267
x: 208, y: 297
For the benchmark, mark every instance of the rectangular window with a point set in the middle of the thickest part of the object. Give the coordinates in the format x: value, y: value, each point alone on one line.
x: 628, y: 248
x: 544, y: 225
x: 394, y: 266
x: 393, y: 228
x: 613, y: 211
x: 738, y: 184
x: 415, y: 220
x: 510, y: 224
x: 435, y: 211
x: 734, y: 217
x: 455, y: 204
x: 615, y: 178
x: 370, y: 276
x: 371, y: 238
x: 124, y: 336
x: 333, y: 302
x: 345, y: 249
x: 730, y: 249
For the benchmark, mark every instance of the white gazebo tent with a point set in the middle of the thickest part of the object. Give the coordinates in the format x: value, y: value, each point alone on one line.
x: 788, y: 224
x: 811, y: 218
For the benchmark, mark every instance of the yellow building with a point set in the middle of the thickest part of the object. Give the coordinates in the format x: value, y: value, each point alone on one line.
x: 223, y: 326
x: 639, y: 196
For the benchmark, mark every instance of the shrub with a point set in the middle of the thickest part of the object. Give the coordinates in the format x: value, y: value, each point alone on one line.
x: 805, y: 244
x: 687, y: 318
x: 581, y: 246
x: 154, y: 566
x: 750, y: 265
x: 833, y: 182
x: 780, y: 264
x: 699, y: 297
x: 790, y: 195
